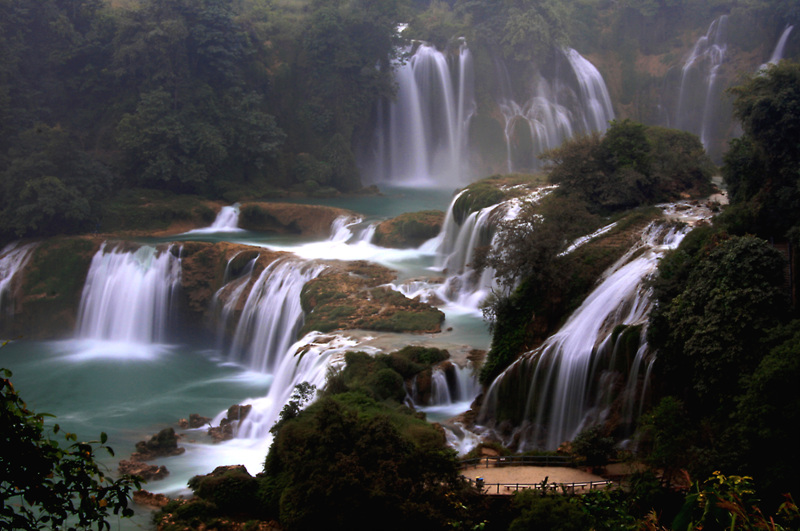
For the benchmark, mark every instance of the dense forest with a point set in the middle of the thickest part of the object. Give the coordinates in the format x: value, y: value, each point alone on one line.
x: 263, y: 99
x: 257, y: 98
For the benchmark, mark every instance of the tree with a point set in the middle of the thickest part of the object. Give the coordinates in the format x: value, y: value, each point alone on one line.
x: 45, y: 486
x: 387, y: 468
x: 761, y: 167
x: 709, y: 334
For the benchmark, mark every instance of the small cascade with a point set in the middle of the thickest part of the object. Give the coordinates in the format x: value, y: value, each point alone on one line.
x: 421, y: 137
x: 455, y: 246
x: 307, y: 360
x: 128, y: 295
x: 13, y: 259
x: 344, y: 229
x: 574, y: 101
x: 231, y: 291
x: 227, y: 220
x: 777, y: 54
x: 271, y: 315
x: 572, y: 377
x: 699, y: 91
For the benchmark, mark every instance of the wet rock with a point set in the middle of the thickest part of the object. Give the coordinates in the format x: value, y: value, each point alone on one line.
x: 163, y: 444
x: 224, y: 431
x: 194, y: 421
x: 149, y: 499
x: 143, y: 470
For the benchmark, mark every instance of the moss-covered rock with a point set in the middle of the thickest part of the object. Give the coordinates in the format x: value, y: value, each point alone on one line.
x: 290, y: 218
x: 50, y: 293
x: 409, y: 230
x: 493, y: 190
x: 354, y: 297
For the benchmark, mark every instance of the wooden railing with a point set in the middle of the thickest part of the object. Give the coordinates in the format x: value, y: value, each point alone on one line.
x: 556, y: 488
x: 519, y: 460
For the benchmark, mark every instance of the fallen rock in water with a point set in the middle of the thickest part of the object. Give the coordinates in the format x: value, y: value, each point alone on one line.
x: 150, y: 499
x: 224, y: 431
x: 195, y: 421
x: 143, y: 470
x: 163, y: 444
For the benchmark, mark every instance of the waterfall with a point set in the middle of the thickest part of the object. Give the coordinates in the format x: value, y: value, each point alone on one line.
x: 777, y: 54
x: 699, y: 92
x: 570, y: 376
x: 271, y: 315
x: 227, y: 220
x: 422, y: 136
x: 574, y: 102
x: 13, y: 258
x: 455, y: 245
x: 128, y: 294
x: 307, y: 360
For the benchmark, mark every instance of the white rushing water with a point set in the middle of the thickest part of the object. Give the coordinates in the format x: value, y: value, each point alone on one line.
x: 422, y: 136
x: 272, y: 315
x: 128, y: 294
x: 13, y: 258
x: 227, y: 220
x: 571, y: 376
x: 574, y: 101
x: 777, y: 53
x: 699, y: 92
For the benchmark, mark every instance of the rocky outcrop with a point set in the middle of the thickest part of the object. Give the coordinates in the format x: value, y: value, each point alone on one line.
x: 143, y: 470
x: 163, y: 444
x: 224, y: 431
x: 50, y: 286
x: 352, y: 296
x: 290, y: 218
x: 194, y: 421
x: 150, y: 499
x: 409, y: 230
x: 203, y: 267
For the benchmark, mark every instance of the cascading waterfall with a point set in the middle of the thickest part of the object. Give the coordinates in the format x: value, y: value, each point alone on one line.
x: 454, y: 248
x: 565, y: 375
x: 227, y: 220
x: 777, y: 54
x: 127, y: 295
x: 449, y: 384
x: 13, y: 258
x: 574, y: 102
x: 272, y: 314
x: 699, y: 91
x: 421, y: 137
x: 307, y: 360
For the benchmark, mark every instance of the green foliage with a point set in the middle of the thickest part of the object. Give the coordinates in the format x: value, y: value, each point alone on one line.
x: 45, y: 485
x: 548, y: 513
x: 388, y: 469
x: 51, y: 185
x: 231, y: 490
x: 709, y: 333
x: 631, y: 165
x: 593, y: 447
x: 382, y: 377
x: 768, y: 409
x: 667, y: 437
x: 302, y: 394
x: 761, y: 167
x: 729, y: 502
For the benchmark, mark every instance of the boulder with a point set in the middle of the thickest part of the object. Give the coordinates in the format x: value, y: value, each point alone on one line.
x: 163, y: 444
x: 143, y: 470
x: 149, y: 499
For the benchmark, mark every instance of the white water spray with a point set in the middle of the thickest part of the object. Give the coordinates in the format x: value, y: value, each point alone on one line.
x: 13, y: 259
x: 128, y: 294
